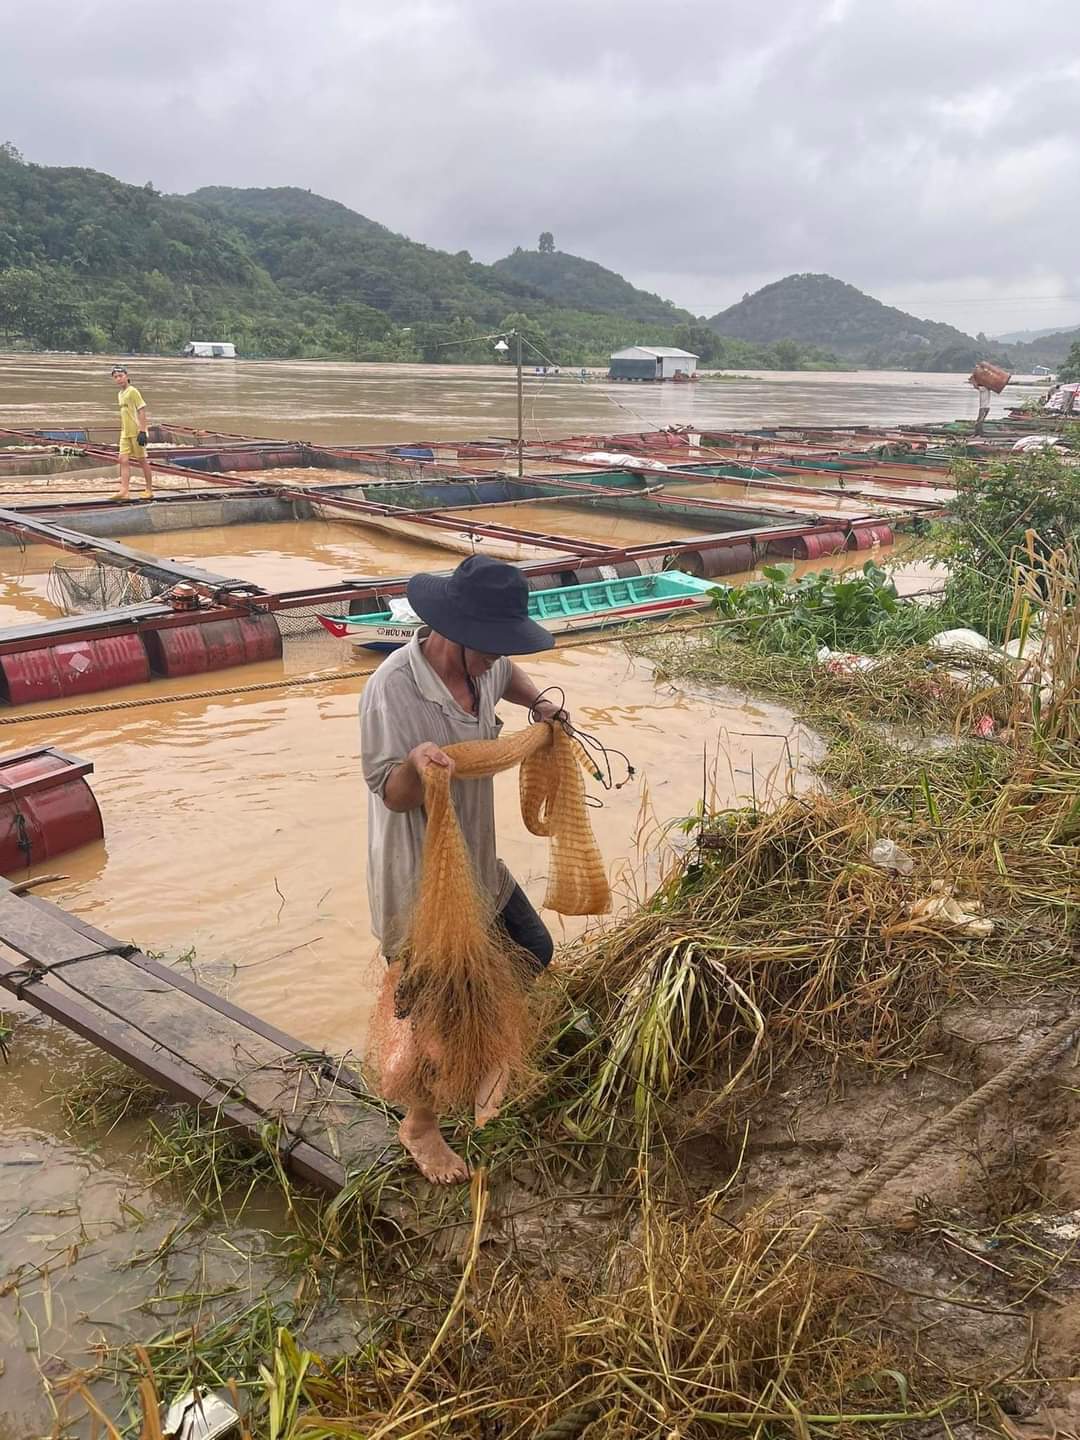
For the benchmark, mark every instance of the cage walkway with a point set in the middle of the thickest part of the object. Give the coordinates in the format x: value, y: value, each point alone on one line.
x: 193, y: 1043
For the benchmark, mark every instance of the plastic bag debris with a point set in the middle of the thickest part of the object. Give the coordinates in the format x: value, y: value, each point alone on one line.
x: 201, y: 1415
x: 941, y: 905
x: 889, y: 856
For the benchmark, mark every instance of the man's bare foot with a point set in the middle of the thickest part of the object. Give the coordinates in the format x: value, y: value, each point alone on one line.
x: 434, y: 1158
x: 490, y: 1094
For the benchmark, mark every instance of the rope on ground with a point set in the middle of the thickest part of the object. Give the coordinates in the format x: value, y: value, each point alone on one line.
x: 970, y: 1109
x: 570, y: 1424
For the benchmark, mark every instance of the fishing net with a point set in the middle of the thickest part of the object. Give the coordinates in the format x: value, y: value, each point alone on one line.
x: 304, y: 619
x: 83, y: 589
x: 462, y: 985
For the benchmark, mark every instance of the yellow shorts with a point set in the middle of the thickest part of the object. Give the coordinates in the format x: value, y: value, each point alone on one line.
x: 130, y: 446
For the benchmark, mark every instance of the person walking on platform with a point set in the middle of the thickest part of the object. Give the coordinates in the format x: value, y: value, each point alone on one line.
x: 441, y: 688
x: 133, y: 437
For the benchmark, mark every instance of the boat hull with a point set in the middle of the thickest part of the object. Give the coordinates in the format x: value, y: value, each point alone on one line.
x: 381, y: 639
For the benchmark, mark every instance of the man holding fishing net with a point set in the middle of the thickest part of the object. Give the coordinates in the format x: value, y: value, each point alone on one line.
x: 458, y: 932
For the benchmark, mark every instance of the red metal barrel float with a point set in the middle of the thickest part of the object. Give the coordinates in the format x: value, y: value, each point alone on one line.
x: 46, y: 807
x: 76, y: 667
x: 811, y: 546
x: 712, y: 560
x: 865, y: 537
x: 989, y: 377
x: 214, y: 645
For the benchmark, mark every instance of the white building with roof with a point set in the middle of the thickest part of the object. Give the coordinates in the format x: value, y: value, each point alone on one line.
x: 651, y: 362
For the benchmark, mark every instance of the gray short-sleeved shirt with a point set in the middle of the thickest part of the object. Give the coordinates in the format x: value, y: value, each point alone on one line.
x: 403, y: 704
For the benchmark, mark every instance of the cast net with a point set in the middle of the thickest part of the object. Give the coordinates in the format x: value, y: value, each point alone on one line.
x: 462, y: 986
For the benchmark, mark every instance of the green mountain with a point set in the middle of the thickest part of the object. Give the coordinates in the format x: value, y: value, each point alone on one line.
x: 584, y: 285
x: 1025, y: 337
x: 1050, y: 349
x: 820, y: 310
x: 87, y: 262
x: 306, y: 242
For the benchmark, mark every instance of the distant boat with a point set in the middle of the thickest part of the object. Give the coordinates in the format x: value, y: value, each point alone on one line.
x: 563, y: 609
x: 210, y: 350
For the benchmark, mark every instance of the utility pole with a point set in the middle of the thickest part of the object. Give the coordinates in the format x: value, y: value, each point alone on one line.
x: 521, y: 410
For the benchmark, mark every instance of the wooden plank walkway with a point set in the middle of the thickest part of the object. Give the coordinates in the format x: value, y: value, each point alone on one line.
x: 193, y: 1043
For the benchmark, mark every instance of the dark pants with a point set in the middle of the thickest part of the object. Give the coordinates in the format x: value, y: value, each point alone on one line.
x: 525, y: 928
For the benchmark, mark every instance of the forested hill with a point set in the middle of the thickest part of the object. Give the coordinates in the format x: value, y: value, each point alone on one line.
x: 1049, y: 349
x: 87, y: 262
x: 306, y: 242
x: 820, y: 310
x: 584, y: 285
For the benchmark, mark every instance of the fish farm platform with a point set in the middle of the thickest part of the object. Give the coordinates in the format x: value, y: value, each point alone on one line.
x: 707, y: 503
x: 324, y: 1123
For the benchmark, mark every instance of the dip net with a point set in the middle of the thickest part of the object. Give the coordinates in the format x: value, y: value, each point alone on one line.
x: 83, y: 589
x: 462, y: 985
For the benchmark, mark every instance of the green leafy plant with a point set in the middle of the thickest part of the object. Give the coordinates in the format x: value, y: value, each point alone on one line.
x: 855, y: 611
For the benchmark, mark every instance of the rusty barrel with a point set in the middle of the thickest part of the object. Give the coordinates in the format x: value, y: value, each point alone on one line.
x: 46, y: 807
x: 865, y: 537
x: 712, y: 560
x: 990, y: 377
x: 213, y: 645
x: 75, y: 667
x: 811, y: 546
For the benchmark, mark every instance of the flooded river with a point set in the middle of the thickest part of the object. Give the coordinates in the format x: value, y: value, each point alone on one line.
x: 235, y: 826
x: 334, y: 403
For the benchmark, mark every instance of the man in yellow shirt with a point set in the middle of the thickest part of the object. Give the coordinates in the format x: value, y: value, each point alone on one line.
x: 133, y: 424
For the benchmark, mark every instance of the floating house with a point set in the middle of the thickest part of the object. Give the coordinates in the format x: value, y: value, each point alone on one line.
x: 210, y: 350
x: 652, y: 362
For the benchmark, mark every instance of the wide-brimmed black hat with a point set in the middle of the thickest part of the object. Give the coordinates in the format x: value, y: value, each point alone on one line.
x: 483, y: 605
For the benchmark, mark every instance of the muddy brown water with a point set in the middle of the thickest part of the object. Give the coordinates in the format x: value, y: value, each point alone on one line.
x: 335, y: 403
x: 235, y: 826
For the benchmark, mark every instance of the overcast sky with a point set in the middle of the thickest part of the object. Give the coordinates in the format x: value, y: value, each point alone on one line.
x: 928, y: 151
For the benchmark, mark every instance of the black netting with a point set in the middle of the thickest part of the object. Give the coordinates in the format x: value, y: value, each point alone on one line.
x: 303, y: 620
x: 84, y: 589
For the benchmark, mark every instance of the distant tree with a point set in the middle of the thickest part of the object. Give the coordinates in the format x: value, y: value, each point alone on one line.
x: 1070, y: 369
x: 537, y: 348
x: 788, y: 354
x: 546, y: 243
x: 11, y: 152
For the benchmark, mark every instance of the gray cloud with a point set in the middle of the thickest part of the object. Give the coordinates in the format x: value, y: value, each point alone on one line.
x: 926, y: 151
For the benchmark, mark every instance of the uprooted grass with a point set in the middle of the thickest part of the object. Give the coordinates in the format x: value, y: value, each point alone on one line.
x: 781, y: 938
x: 920, y: 685
x: 102, y: 1094
x: 687, y: 1324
